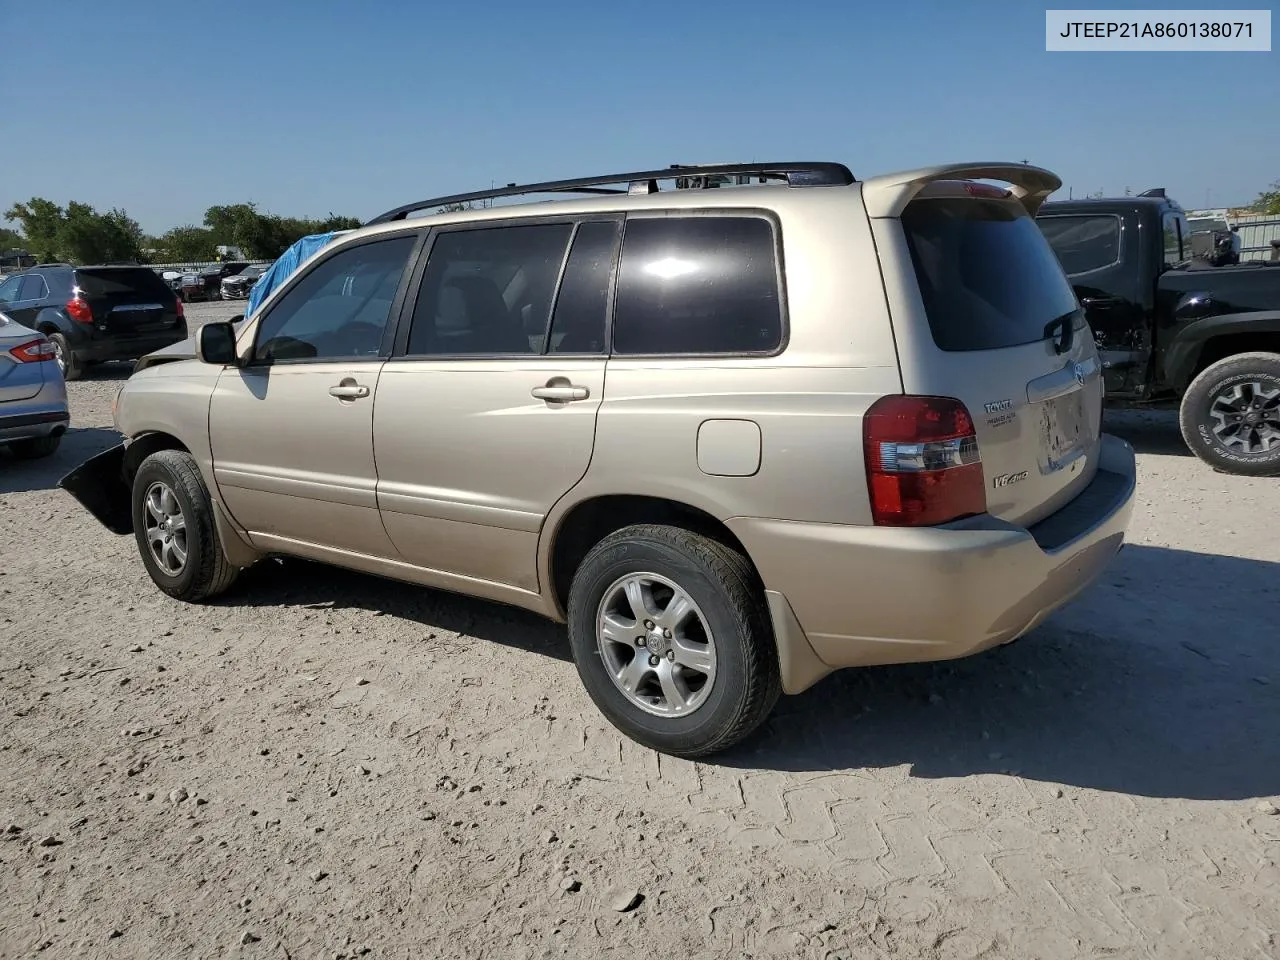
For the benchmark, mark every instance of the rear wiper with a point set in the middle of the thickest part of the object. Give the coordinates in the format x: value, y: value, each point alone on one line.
x: 1062, y: 342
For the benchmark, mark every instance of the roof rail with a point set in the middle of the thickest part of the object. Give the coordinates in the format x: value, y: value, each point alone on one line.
x: 795, y: 174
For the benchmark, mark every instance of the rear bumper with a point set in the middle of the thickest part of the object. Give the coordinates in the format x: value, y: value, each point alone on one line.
x: 844, y: 596
x: 114, y: 347
x: 33, y: 422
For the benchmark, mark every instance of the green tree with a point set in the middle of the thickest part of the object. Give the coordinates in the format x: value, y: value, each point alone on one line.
x: 11, y: 240
x: 41, y: 221
x: 185, y: 243
x: 1269, y: 200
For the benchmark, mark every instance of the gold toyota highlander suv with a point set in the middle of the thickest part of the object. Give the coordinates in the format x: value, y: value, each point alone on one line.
x: 737, y: 438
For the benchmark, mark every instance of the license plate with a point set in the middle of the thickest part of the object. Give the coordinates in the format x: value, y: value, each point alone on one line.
x: 1062, y: 423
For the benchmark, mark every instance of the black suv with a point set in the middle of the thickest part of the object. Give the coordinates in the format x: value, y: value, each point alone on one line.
x: 95, y: 313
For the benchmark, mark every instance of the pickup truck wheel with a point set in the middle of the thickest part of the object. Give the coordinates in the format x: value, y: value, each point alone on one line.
x: 174, y: 527
x: 1230, y: 415
x: 672, y: 639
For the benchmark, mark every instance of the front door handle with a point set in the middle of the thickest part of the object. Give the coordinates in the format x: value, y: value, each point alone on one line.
x: 561, y: 391
x: 349, y: 390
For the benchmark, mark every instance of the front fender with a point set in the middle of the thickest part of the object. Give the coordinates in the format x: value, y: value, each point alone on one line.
x: 100, y: 486
x: 1183, y: 351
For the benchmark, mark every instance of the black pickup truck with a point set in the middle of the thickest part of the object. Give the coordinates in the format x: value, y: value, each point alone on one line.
x: 1172, y: 329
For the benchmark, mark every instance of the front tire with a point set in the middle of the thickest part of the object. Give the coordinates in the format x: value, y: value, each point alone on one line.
x: 34, y: 448
x: 1230, y: 415
x: 174, y: 527
x: 672, y: 639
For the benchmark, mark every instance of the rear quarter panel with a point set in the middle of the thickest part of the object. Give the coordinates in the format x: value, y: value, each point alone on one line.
x: 807, y: 401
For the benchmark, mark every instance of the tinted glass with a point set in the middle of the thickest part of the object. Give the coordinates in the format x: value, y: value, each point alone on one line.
x: 1083, y: 243
x: 340, y: 308
x: 33, y: 288
x: 987, y: 275
x: 583, y: 303
x: 697, y: 285
x: 9, y: 289
x: 488, y: 291
x: 1172, y: 239
x: 114, y: 282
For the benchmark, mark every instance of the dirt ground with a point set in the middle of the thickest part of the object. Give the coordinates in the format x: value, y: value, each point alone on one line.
x: 323, y: 764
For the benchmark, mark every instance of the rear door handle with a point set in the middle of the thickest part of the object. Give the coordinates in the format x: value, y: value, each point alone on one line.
x: 349, y: 391
x: 562, y: 392
x: 1101, y: 301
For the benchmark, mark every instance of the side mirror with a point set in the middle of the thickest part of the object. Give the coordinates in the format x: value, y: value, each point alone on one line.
x: 216, y: 343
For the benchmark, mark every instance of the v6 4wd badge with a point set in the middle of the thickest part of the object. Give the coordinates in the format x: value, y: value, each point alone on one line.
x: 1005, y: 479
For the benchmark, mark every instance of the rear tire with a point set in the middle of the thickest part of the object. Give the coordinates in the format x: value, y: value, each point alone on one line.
x: 174, y: 527
x: 66, y: 359
x: 34, y: 448
x: 1230, y: 415
x: 726, y: 609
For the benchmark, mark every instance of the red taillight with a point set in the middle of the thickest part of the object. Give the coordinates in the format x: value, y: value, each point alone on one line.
x: 33, y: 351
x: 181, y: 310
x: 922, y: 460
x: 79, y: 311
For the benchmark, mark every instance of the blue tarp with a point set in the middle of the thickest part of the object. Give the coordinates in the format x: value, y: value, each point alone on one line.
x: 284, y: 266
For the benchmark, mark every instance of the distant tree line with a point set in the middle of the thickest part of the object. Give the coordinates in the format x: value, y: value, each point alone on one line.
x: 77, y: 233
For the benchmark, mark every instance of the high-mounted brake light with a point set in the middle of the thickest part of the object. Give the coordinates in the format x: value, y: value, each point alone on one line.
x: 33, y: 351
x: 986, y: 190
x: 922, y: 460
x: 78, y: 310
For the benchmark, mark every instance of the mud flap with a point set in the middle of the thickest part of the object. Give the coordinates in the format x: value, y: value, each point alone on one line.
x: 99, y: 486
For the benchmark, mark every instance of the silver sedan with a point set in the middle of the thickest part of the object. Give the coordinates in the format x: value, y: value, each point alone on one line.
x: 33, y: 395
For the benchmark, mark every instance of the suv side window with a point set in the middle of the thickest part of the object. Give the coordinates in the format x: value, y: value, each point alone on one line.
x: 582, y: 306
x: 339, y: 310
x: 698, y: 285
x: 1083, y: 243
x: 487, y: 291
x: 9, y: 289
x: 33, y: 287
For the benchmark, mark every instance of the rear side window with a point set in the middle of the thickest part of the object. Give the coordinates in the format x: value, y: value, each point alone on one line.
x: 698, y: 285
x: 1172, y: 225
x: 33, y: 287
x: 582, y: 305
x: 488, y: 291
x: 1083, y: 243
x: 987, y: 275
x: 112, y: 282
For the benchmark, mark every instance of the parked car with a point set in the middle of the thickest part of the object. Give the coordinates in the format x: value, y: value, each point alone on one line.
x: 1173, y: 329
x: 735, y: 439
x: 92, y: 314
x: 33, y: 396
x: 206, y: 283
x: 238, y: 285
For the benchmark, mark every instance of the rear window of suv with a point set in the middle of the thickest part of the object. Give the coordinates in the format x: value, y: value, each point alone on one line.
x: 987, y: 275
x: 118, y: 281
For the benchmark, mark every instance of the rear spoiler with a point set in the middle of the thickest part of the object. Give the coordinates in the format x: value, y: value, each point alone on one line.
x: 889, y: 195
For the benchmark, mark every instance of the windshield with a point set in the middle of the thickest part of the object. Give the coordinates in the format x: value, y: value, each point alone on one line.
x: 987, y: 275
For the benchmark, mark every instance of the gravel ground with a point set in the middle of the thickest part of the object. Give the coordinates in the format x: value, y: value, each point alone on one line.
x: 328, y: 765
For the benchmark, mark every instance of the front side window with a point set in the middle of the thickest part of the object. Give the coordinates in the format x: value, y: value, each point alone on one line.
x: 340, y: 309
x: 698, y: 285
x: 488, y: 291
x: 1083, y: 243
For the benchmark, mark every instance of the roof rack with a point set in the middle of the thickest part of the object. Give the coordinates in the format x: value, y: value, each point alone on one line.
x: 796, y: 174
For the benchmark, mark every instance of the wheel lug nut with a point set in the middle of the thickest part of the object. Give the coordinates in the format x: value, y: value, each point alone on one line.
x: 654, y: 660
x: 667, y: 634
x: 639, y: 641
x: 648, y: 624
x: 671, y: 655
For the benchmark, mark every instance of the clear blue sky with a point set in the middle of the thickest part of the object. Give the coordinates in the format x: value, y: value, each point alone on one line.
x: 354, y: 107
